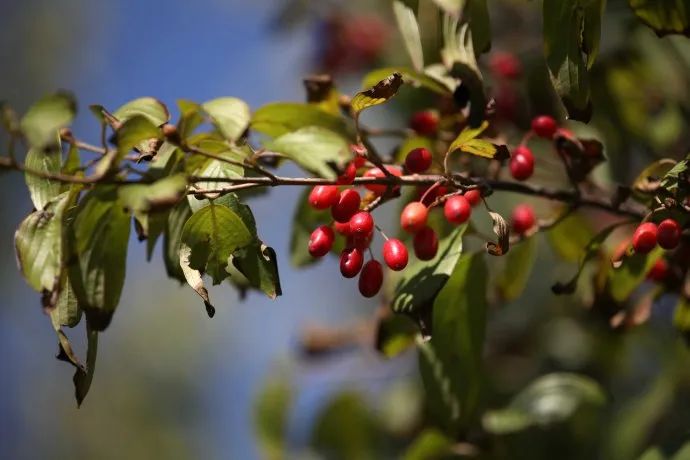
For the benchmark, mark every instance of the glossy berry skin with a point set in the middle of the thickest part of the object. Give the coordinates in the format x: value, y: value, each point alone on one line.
x: 505, y: 65
x: 544, y: 126
x: 361, y: 224
x: 361, y: 242
x: 645, y: 237
x: 457, y: 209
x: 346, y: 206
x: 323, y: 196
x: 359, y: 161
x: 432, y: 195
x: 425, y: 244
x: 348, y: 175
x: 321, y: 241
x: 523, y: 218
x: 351, y: 261
x: 413, y: 217
x: 395, y: 254
x: 418, y: 160
x: 425, y: 123
x: 668, y: 234
x: 342, y: 228
x: 371, y: 279
x: 522, y: 163
x: 380, y: 189
x: 659, y: 271
x: 474, y: 197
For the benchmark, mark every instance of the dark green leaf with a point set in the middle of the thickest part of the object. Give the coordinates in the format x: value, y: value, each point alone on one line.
x: 171, y: 239
x: 142, y: 200
x: 395, y: 334
x: 217, y: 168
x: 378, y: 94
x: 478, y: 15
x: 421, y: 281
x: 98, y: 239
x: 271, y: 412
x: 41, y: 123
x: 280, y: 118
x: 570, y: 236
x: 451, y: 362
x: 681, y: 317
x: 229, y: 115
x: 315, y: 149
x: 83, y: 377
x: 517, y: 270
x: 549, y: 399
x: 664, y: 16
x: 49, y: 161
x: 66, y: 308
x: 472, y: 79
x: 428, y: 445
x: 153, y: 109
x: 409, y: 29
x: 633, y: 270
x: 39, y: 244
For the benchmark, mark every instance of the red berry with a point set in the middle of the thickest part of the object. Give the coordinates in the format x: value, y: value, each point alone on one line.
x: 351, y: 260
x: 522, y: 163
x: 544, y: 126
x: 438, y: 191
x: 413, y: 217
x: 474, y: 197
x: 523, y: 218
x: 395, y: 254
x: 380, y: 189
x: 644, y: 238
x: 346, y: 206
x: 348, y: 175
x: 425, y: 244
x: 361, y: 224
x: 361, y: 242
x: 321, y: 241
x: 457, y: 209
x: 659, y: 271
x: 371, y: 278
x: 323, y: 196
x: 505, y: 65
x: 668, y: 234
x: 425, y: 123
x: 359, y: 161
x: 418, y: 160
x: 342, y: 228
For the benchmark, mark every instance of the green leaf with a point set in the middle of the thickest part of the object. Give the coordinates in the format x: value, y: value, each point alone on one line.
x: 472, y: 79
x: 549, y: 399
x: 429, y: 444
x: 571, y: 42
x: 304, y: 221
x: 653, y: 453
x: 229, y: 115
x: 664, y: 16
x: 315, y: 149
x: 98, y: 238
x: 421, y: 281
x: 681, y: 316
x: 83, y: 377
x: 625, y: 279
x: 377, y: 94
x: 517, y: 270
x: 137, y: 131
x: 409, y: 76
x: 271, y: 412
x: 570, y: 237
x: 280, y: 118
x: 144, y: 199
x: 190, y: 117
x: 72, y: 164
x: 209, y: 237
x: 409, y: 29
x: 217, y: 168
x: 39, y: 244
x: 41, y: 123
x: 152, y: 109
x: 395, y: 334
x: 670, y: 180
x: 49, y: 161
x: 467, y: 141
x: 452, y: 7
x: 451, y: 362
x: 171, y: 239
x: 66, y: 308
x: 478, y: 13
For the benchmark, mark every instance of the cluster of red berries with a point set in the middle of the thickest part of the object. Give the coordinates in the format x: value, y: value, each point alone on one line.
x: 648, y: 234
x: 522, y: 160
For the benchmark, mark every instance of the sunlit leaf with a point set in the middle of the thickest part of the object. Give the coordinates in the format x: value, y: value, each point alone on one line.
x: 229, y: 115
x: 143, y: 199
x: 278, y: 118
x: 41, y: 123
x: 570, y: 236
x: 664, y: 16
x: 152, y: 109
x: 190, y: 117
x: 429, y: 444
x: 409, y: 29
x: 632, y: 271
x: 518, y: 268
x: 48, y: 161
x: 378, y: 94
x: 409, y: 76
x: 467, y: 141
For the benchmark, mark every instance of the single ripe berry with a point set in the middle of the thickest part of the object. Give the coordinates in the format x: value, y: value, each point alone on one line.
x: 321, y: 241
x: 418, y: 160
x: 348, y: 175
x: 342, y: 228
x: 644, y: 238
x: 457, y: 209
x: 359, y: 161
x: 659, y: 271
x: 523, y: 218
x: 668, y: 234
x: 361, y: 224
x: 323, y: 196
x: 505, y: 65
x: 395, y: 254
x: 522, y: 163
x: 425, y: 244
x: 432, y: 195
x: 474, y: 197
x: 361, y: 242
x: 544, y: 126
x: 371, y: 278
x: 413, y: 217
x: 351, y: 260
x: 380, y: 189
x: 346, y: 206
x: 425, y: 123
